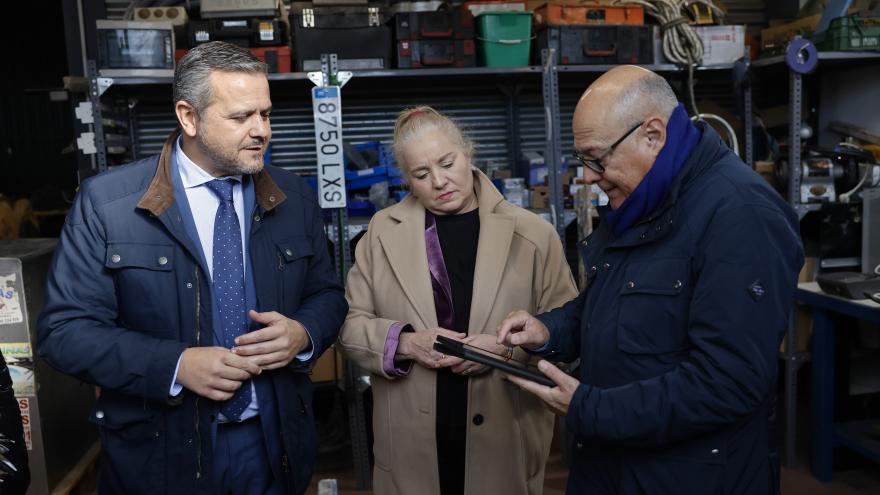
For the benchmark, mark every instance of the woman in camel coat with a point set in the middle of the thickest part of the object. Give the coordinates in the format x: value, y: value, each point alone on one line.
x: 453, y: 258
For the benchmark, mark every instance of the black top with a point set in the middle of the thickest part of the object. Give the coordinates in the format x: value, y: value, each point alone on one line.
x: 459, y: 236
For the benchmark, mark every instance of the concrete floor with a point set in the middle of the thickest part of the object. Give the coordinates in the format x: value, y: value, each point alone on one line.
x: 797, y: 481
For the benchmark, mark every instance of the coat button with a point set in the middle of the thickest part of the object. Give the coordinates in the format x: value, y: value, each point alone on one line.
x: 677, y: 284
x: 630, y: 285
x: 99, y: 414
x: 257, y: 218
x: 580, y: 445
x: 643, y: 235
x: 593, y: 268
x: 189, y: 285
x: 714, y: 451
x: 606, y: 266
x: 288, y: 252
x: 163, y: 260
x: 478, y: 419
x: 658, y: 228
x: 116, y: 258
x: 271, y: 199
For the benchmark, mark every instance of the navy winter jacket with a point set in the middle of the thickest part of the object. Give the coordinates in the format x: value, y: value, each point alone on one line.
x: 127, y: 294
x: 678, y: 334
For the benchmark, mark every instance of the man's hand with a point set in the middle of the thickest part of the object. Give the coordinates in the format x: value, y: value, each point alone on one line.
x: 484, y: 341
x: 558, y: 397
x: 419, y: 347
x: 275, y: 345
x: 214, y: 372
x: 522, y: 329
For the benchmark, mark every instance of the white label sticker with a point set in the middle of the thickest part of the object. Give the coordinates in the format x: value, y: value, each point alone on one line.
x: 327, y: 110
x: 20, y: 362
x: 10, y: 308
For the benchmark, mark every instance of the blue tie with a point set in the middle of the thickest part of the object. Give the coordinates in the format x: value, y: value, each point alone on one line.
x: 229, y: 285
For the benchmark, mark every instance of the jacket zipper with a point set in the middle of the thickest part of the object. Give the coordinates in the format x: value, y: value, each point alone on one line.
x: 198, y: 343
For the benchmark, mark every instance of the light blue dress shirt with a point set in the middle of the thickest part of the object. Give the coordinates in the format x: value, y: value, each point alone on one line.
x: 204, y: 203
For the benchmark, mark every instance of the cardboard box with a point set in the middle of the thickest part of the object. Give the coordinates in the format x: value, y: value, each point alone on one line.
x: 540, y: 197
x: 777, y: 37
x: 329, y: 367
x: 721, y: 44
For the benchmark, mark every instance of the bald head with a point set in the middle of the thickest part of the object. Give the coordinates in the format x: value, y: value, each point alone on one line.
x: 622, y: 97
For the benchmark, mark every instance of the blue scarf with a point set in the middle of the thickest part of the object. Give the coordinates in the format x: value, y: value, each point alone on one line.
x: 681, y: 138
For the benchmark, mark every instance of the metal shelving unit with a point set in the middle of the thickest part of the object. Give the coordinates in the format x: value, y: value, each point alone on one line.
x: 793, y: 359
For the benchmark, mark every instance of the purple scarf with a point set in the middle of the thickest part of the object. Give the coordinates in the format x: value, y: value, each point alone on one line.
x: 439, y: 278
x: 681, y: 138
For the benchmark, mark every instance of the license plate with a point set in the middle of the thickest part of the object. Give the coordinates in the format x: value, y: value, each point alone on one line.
x: 326, y: 106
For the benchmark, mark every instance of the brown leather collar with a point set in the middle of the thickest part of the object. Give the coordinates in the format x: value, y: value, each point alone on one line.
x: 160, y: 195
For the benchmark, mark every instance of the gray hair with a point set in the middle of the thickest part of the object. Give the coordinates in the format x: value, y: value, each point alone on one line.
x: 192, y: 72
x: 647, y: 95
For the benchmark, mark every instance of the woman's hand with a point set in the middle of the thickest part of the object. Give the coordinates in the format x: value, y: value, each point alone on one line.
x: 419, y: 347
x: 484, y: 341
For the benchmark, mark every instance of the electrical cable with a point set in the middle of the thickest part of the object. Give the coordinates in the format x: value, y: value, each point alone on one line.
x: 680, y: 43
x: 734, y: 142
x: 844, y: 198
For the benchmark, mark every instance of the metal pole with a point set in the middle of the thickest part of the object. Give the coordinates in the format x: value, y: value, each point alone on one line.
x: 794, y: 143
x: 747, y: 114
x: 552, y: 149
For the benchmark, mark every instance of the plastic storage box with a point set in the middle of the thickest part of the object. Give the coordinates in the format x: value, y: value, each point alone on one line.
x: 504, y: 38
x: 851, y: 33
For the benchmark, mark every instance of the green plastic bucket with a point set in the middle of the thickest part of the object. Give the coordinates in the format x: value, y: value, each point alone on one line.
x: 505, y: 38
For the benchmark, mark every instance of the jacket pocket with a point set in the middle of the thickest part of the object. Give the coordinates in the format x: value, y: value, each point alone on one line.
x: 654, y: 304
x: 133, y: 442
x: 292, y: 258
x: 145, y: 282
x: 154, y: 257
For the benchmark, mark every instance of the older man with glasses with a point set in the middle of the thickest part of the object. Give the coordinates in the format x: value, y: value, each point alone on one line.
x: 691, y: 275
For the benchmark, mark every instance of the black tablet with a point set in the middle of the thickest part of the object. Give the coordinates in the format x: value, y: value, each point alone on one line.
x: 461, y: 350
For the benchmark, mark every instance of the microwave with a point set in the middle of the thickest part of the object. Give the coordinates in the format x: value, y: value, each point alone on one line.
x: 135, y: 48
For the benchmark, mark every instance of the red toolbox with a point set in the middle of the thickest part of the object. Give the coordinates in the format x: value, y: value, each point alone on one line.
x: 278, y: 58
x: 455, y: 24
x: 554, y: 14
x: 436, y: 53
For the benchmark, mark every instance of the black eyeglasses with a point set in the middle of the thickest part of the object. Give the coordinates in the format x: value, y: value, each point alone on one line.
x: 595, y: 164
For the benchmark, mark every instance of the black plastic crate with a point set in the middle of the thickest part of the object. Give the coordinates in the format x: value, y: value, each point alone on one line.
x: 455, y: 24
x: 436, y: 53
x: 597, y: 45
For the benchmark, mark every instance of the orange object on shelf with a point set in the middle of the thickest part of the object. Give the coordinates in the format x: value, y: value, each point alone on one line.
x: 554, y: 14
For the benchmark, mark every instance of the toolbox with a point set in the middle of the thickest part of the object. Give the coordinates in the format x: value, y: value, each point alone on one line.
x: 436, y: 53
x: 553, y: 14
x: 456, y: 24
x: 278, y: 58
x: 850, y: 33
x: 358, y: 35
x: 591, y: 45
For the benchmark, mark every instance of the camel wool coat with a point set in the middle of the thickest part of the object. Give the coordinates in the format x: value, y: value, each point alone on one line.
x: 520, y: 265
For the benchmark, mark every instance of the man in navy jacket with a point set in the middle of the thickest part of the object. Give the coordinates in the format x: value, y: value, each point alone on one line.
x: 690, y: 281
x: 135, y: 306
